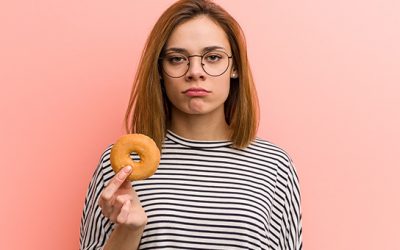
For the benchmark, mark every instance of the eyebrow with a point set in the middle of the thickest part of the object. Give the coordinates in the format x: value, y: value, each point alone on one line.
x: 182, y: 50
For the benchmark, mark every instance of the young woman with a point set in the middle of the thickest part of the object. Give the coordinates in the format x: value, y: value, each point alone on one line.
x: 217, y: 185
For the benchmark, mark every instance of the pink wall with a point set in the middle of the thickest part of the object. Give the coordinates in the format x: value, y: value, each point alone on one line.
x: 328, y: 79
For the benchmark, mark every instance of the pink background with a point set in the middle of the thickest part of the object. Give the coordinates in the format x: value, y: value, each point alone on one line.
x: 328, y: 79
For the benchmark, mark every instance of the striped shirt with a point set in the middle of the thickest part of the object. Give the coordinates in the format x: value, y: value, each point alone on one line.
x: 208, y: 195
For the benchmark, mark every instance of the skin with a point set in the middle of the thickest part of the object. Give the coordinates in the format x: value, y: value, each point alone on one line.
x: 198, y: 117
x: 119, y: 202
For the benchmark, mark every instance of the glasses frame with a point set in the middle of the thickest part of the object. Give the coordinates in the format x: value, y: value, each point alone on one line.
x: 202, y: 64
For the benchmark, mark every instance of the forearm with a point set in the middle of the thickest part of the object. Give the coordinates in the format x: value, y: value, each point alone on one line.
x: 124, y: 238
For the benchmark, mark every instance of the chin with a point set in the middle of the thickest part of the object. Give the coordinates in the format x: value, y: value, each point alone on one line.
x: 196, y: 112
x: 201, y: 111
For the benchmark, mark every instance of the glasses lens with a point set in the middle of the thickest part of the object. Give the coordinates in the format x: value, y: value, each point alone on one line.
x: 215, y: 63
x: 175, y: 64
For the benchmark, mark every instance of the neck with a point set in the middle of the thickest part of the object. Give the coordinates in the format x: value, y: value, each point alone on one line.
x: 210, y: 127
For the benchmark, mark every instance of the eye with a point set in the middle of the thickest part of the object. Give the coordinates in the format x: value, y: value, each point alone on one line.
x: 213, y: 57
x: 176, y: 59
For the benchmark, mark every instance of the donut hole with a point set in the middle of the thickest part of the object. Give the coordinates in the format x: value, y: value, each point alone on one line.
x: 135, y: 157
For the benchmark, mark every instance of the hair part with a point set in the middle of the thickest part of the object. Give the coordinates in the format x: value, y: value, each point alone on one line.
x: 148, y: 109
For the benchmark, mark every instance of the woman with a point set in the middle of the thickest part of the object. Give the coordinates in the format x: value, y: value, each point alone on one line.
x: 217, y: 185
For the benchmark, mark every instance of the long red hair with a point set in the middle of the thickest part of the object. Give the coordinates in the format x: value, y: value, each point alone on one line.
x: 148, y: 110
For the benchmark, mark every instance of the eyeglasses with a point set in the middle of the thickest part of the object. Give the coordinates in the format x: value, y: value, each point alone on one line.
x: 176, y: 64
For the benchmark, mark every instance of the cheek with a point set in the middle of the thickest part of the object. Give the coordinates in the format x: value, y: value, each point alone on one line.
x: 224, y: 87
x: 171, y: 91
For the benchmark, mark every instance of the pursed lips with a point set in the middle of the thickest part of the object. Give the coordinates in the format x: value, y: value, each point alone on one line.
x: 196, y: 92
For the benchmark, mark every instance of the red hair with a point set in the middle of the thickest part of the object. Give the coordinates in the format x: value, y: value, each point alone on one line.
x: 148, y: 110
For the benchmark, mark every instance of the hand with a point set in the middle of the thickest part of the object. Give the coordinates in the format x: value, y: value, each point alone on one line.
x: 120, y: 203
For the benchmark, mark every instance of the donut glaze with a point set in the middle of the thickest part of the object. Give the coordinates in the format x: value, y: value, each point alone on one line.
x: 144, y: 146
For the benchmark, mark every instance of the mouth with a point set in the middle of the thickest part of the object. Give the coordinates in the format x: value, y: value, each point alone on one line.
x: 196, y: 92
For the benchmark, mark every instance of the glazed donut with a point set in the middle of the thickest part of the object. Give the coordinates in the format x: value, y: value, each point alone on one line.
x: 141, y: 144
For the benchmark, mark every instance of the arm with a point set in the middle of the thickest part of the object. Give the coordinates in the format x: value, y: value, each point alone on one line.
x: 94, y: 226
x: 113, y: 217
x: 124, y: 237
x: 292, y: 218
x: 120, y: 203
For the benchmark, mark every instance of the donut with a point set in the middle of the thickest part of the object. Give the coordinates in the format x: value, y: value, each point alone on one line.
x: 141, y: 144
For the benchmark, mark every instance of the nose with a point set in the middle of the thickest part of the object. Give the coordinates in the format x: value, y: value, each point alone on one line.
x: 195, y: 70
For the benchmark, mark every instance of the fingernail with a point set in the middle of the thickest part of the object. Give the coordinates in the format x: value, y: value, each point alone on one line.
x: 127, y: 169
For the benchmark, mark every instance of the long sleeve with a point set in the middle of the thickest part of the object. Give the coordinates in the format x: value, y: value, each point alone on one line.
x: 291, y: 227
x: 95, y: 228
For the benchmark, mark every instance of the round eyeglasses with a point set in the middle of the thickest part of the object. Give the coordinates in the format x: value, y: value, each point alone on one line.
x: 176, y: 64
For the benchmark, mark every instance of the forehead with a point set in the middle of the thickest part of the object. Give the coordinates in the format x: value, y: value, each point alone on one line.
x: 196, y: 34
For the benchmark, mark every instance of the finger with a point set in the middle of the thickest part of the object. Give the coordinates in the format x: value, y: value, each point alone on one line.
x: 127, y: 184
x: 119, y: 201
x: 123, y: 215
x: 116, y: 182
x: 135, y: 197
x: 105, y: 206
x: 107, y: 211
x: 111, y: 209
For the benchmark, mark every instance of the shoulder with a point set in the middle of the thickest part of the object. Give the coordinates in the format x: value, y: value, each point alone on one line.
x: 273, y: 154
x: 104, y: 170
x: 270, y: 150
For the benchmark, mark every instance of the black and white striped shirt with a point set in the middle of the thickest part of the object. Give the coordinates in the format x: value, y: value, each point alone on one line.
x: 208, y: 195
